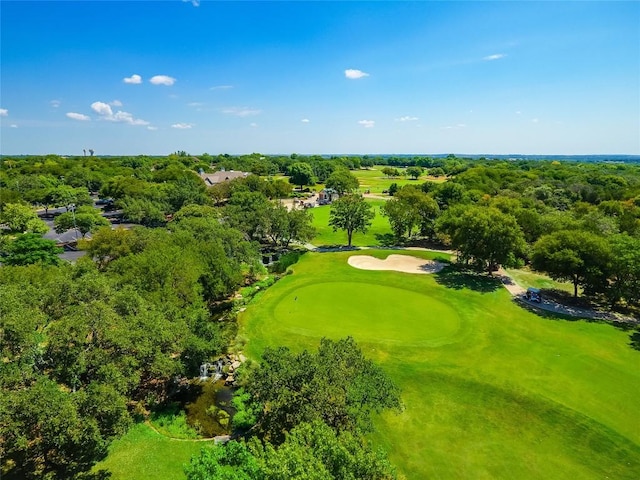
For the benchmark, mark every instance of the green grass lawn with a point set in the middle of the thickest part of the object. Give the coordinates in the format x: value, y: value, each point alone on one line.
x: 145, y: 454
x: 526, y: 278
x: 374, y: 180
x: 490, y: 390
x: 326, y: 236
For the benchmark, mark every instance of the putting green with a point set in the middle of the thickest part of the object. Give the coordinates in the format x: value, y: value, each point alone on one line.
x: 391, y: 315
x: 490, y: 390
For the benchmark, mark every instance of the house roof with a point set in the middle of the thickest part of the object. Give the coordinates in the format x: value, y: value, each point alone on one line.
x: 218, y: 177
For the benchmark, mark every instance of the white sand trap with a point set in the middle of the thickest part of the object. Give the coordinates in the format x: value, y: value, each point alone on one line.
x: 398, y: 263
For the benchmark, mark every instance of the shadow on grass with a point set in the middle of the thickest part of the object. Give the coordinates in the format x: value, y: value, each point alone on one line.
x: 548, y: 314
x: 458, y: 279
x: 336, y: 248
x: 634, y: 337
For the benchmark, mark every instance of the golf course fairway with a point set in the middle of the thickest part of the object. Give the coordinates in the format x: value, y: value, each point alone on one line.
x: 490, y: 390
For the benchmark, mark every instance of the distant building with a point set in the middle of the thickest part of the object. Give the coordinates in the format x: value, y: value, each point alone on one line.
x: 327, y: 195
x: 211, y: 179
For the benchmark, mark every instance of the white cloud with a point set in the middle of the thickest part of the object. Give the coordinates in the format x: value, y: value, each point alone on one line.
x: 126, y: 117
x: 353, y: 74
x: 152, y: 128
x: 495, y: 56
x: 55, y: 103
x: 105, y: 112
x: 133, y: 79
x: 195, y: 104
x: 253, y: 124
x: 461, y: 125
x: 407, y: 119
x: 305, y: 120
x: 116, y: 103
x: 182, y: 126
x: 102, y: 108
x: 241, y: 111
x: 195, y: 3
x: 222, y: 87
x: 4, y: 112
x: 78, y: 116
x: 367, y: 123
x: 163, y: 80
x: 535, y: 120
x: 518, y: 112
x: 13, y: 125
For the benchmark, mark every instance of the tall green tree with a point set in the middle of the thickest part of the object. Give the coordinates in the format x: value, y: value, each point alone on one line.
x: 391, y: 172
x: 86, y: 219
x: 580, y: 257
x: 342, y: 181
x: 301, y: 173
x: 31, y: 248
x: 45, y: 435
x: 22, y: 218
x: 284, y: 225
x: 415, y: 172
x: 625, y: 269
x: 484, y: 236
x: 352, y: 214
x: 337, y: 385
x: 248, y: 212
x: 109, y: 244
x: 411, y: 208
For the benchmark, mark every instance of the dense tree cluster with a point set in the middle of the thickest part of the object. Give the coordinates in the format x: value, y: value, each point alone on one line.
x: 312, y: 409
x: 87, y: 346
x: 311, y: 451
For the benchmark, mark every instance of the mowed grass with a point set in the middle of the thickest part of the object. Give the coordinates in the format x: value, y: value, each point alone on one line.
x: 376, y: 182
x: 145, y: 454
x: 490, y: 390
x: 526, y: 278
x: 325, y: 235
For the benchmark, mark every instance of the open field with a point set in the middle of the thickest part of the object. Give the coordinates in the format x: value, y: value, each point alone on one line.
x: 380, y: 228
x: 374, y: 180
x: 490, y: 390
x: 145, y: 454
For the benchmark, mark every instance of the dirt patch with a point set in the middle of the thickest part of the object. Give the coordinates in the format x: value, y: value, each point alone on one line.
x: 398, y: 263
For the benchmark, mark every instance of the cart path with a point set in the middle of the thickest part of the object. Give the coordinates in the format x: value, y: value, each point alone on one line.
x: 549, y: 305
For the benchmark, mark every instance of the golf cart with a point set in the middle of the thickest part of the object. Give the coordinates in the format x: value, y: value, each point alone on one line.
x: 534, y: 295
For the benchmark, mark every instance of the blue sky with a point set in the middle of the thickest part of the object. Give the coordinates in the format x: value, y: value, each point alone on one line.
x: 143, y: 77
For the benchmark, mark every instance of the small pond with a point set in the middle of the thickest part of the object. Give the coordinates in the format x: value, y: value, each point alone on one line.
x: 208, y: 407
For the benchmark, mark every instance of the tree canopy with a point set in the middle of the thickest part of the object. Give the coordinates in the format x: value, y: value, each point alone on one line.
x: 301, y: 173
x: 580, y: 257
x: 342, y: 181
x: 486, y: 237
x: 337, y: 385
x: 311, y: 451
x: 352, y: 214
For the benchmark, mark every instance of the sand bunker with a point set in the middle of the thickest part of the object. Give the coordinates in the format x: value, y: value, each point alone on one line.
x: 398, y: 263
